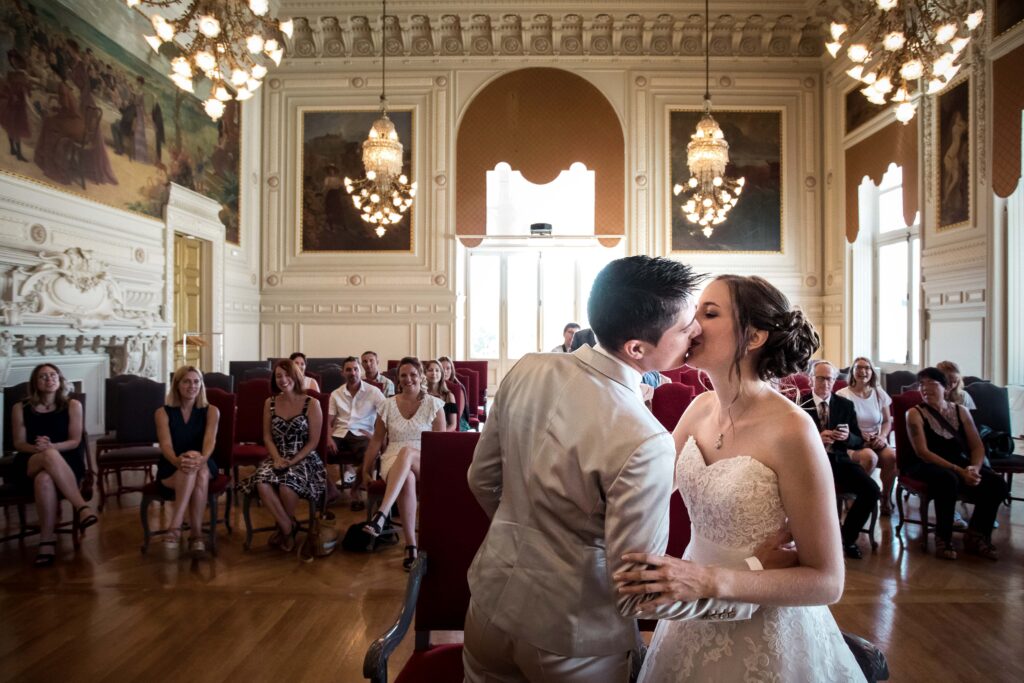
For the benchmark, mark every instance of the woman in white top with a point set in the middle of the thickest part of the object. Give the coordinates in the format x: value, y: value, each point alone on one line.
x: 401, y: 421
x: 874, y: 418
x: 308, y: 383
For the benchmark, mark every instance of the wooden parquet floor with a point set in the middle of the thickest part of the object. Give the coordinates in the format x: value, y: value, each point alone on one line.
x: 110, y: 613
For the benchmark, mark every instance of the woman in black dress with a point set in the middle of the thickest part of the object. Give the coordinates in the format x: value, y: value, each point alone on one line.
x: 47, y: 431
x: 294, y: 470
x: 948, y: 456
x: 435, y: 386
x: 187, y: 430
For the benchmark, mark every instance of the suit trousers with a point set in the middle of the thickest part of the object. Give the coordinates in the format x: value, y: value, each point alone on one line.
x: 490, y: 655
x: 850, y: 477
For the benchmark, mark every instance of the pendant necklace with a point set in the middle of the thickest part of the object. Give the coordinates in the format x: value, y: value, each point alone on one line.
x: 721, y: 435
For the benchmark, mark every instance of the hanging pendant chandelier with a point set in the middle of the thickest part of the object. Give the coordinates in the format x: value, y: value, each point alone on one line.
x: 385, y: 194
x: 228, y: 41
x: 710, y: 193
x: 895, y: 44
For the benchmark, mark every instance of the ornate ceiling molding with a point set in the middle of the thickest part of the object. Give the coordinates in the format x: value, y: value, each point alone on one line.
x: 564, y: 34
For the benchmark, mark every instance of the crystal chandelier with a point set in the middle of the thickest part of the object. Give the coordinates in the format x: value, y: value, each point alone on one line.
x: 711, y: 193
x: 228, y: 41
x: 385, y: 194
x: 896, y: 43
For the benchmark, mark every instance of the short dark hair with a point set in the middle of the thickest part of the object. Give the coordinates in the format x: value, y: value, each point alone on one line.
x: 368, y: 353
x: 348, y: 359
x: 638, y: 297
x: 297, y: 354
x: 570, y: 326
x: 933, y: 374
x: 583, y: 337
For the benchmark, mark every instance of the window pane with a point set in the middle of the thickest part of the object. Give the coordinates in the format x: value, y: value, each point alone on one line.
x: 892, y: 303
x: 484, y: 304
x: 890, y: 210
x: 915, y: 301
x: 522, y: 304
x: 559, y: 288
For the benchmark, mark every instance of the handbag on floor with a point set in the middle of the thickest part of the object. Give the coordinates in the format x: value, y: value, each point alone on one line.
x: 322, y: 538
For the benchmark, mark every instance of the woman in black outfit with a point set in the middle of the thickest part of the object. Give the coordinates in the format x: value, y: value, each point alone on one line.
x: 187, y: 430
x: 47, y: 431
x: 948, y: 456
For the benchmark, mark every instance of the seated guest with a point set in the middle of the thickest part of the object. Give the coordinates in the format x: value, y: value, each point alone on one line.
x: 400, y: 462
x: 875, y: 423
x: 448, y: 370
x: 353, y: 412
x: 948, y: 456
x: 567, y: 333
x: 308, y: 383
x: 372, y: 374
x: 46, y: 430
x: 955, y: 392
x: 186, y: 428
x: 836, y: 420
x: 651, y: 381
x: 584, y: 336
x: 291, y: 427
x: 435, y: 386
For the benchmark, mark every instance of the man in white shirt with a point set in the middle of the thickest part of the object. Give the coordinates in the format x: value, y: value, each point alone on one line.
x: 372, y: 374
x: 567, y: 333
x: 353, y: 412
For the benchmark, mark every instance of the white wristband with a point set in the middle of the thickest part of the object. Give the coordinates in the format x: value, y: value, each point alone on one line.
x: 754, y: 564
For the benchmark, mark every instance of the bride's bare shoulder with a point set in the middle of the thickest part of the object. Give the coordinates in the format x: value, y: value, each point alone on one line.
x: 791, y: 432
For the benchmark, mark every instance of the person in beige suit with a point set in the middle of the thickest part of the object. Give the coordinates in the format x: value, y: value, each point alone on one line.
x: 574, y: 471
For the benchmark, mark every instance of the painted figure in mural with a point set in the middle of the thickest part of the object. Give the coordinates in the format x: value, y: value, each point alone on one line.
x: 139, y: 99
x: 14, y: 112
x: 158, y: 130
x: 954, y: 166
x: 64, y: 123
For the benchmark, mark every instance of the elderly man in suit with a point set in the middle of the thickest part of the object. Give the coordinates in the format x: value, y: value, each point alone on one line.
x: 574, y: 471
x: 836, y: 419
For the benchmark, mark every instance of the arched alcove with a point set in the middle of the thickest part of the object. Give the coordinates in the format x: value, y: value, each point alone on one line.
x: 540, y: 121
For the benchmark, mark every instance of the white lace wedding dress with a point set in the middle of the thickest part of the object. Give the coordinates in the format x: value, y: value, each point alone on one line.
x: 734, y: 504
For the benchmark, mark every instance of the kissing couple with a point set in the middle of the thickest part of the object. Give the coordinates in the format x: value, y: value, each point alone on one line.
x: 576, y: 475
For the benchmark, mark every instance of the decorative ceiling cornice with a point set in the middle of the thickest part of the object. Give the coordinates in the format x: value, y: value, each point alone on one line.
x: 487, y: 28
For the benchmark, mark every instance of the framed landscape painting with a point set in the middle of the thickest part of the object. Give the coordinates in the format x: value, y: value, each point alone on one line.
x: 88, y: 108
x: 755, y: 153
x: 332, y: 144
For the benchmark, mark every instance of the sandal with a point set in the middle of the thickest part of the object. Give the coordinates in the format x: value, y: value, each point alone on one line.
x: 172, y: 544
x: 288, y: 539
x: 196, y: 547
x: 375, y: 527
x: 44, y: 559
x: 976, y: 544
x: 410, y: 557
x: 945, y: 550
x: 87, y: 521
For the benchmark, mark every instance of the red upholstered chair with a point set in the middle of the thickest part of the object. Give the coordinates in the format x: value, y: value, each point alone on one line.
x: 690, y: 376
x: 480, y: 367
x: 839, y: 384
x: 794, y: 386
x: 470, y: 381
x: 393, y: 364
x: 670, y: 402
x: 132, y: 448
x: 460, y: 398
x: 906, y: 485
x: 248, y: 449
x: 437, y: 592
x: 321, y: 449
x: 151, y: 492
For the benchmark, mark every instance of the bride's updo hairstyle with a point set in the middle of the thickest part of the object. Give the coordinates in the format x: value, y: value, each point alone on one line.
x: 758, y: 305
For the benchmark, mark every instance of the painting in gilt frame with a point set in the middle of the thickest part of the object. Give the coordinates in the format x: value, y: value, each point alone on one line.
x: 755, y: 153
x: 859, y: 111
x: 953, y: 156
x: 87, y: 107
x: 332, y: 147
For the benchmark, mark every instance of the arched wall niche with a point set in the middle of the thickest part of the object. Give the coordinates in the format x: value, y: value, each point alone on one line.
x: 539, y: 120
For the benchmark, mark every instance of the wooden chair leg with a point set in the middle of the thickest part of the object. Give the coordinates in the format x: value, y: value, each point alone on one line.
x: 227, y: 507
x: 144, y: 518
x: 101, y: 477
x: 246, y: 503
x: 212, y: 504
x: 899, y: 508
x: 925, y: 501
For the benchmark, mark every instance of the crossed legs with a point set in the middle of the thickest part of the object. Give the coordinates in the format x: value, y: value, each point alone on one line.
x: 401, y: 489
x: 190, y: 494
x: 50, y: 474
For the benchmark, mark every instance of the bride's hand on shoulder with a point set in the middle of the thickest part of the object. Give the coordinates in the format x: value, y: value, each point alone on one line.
x: 669, y: 579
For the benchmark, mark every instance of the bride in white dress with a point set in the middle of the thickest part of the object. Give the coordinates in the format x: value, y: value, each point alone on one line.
x: 749, y: 460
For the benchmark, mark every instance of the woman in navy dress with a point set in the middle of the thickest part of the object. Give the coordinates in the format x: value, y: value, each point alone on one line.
x: 47, y: 431
x: 186, y: 428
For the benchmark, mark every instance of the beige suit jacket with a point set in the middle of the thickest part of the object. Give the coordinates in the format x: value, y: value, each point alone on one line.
x: 574, y: 471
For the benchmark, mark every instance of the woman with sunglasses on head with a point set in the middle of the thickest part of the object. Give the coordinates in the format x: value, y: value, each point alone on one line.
x: 875, y: 421
x: 47, y: 433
